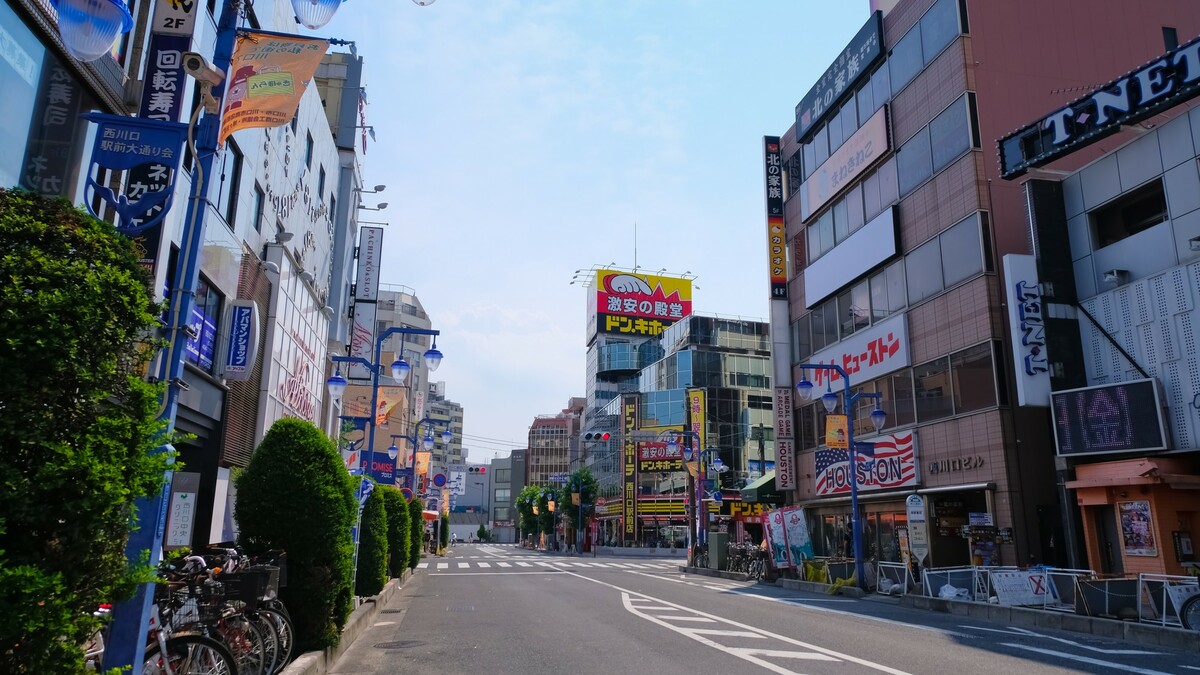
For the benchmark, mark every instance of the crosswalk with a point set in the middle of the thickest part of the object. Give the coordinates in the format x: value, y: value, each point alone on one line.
x: 531, y: 564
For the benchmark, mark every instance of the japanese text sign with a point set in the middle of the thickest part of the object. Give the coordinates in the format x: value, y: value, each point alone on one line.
x: 267, y: 77
x: 640, y: 304
x: 776, y: 237
x: 866, y: 354
x: 851, y: 65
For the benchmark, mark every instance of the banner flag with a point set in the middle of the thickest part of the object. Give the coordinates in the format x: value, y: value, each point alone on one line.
x: 267, y: 77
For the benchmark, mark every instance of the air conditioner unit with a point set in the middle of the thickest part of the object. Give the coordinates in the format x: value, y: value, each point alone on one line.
x: 1116, y: 277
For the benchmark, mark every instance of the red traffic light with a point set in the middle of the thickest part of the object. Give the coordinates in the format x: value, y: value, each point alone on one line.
x: 597, y: 436
x: 483, y: 469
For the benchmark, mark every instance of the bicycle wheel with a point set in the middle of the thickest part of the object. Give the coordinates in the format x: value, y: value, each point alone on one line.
x: 190, y: 655
x: 270, y: 635
x: 245, y: 642
x: 287, y: 636
x: 1189, y: 614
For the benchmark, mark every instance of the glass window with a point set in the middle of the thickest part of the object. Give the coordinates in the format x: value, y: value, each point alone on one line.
x: 865, y: 98
x: 308, y: 151
x: 880, y: 308
x: 1129, y: 214
x: 502, y: 476
x: 889, y: 189
x: 939, y: 27
x: 854, y: 208
x: 794, y: 173
x: 914, y: 162
x: 905, y: 61
x: 881, y: 86
x: 855, y: 307
x: 206, y: 313
x: 260, y: 202
x: 831, y: 321
x: 849, y: 117
x: 819, y: 341
x: 974, y: 378
x: 806, y: 427
x: 897, y: 298
x: 834, y: 128
x: 933, y: 394
x: 950, y: 134
x: 924, y: 271
x: 321, y: 182
x: 810, y: 159
x: 233, y: 166
x: 802, y: 338
x: 502, y: 495
x: 903, y: 411
x: 962, y: 257
x: 813, y: 234
x: 820, y: 143
x: 872, y: 205
x: 825, y: 225
x: 841, y: 222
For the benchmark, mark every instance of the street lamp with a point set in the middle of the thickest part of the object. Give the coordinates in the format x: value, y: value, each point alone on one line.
x: 90, y: 27
x: 703, y: 462
x: 804, y: 389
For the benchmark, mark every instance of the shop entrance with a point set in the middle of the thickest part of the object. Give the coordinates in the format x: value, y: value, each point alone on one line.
x: 1106, y: 537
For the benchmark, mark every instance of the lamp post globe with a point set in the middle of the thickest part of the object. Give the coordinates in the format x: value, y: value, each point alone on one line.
x: 400, y: 369
x: 829, y: 400
x: 315, y: 13
x: 433, y: 358
x: 90, y: 27
x: 804, y: 389
x: 878, y: 418
x: 393, y: 451
x: 336, y: 385
x: 427, y: 442
x: 447, y: 436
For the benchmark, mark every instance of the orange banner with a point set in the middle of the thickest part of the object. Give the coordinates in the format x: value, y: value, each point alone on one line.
x: 835, y: 432
x: 267, y: 77
x: 423, y: 459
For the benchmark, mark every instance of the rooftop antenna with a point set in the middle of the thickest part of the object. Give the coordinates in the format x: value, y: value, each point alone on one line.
x: 635, y: 265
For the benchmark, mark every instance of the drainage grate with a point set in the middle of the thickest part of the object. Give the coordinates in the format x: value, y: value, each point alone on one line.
x: 399, y: 644
x: 391, y: 611
x: 460, y: 608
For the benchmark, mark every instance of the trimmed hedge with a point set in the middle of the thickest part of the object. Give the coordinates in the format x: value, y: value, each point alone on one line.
x: 416, y: 531
x: 399, y: 536
x: 372, y: 546
x: 297, y: 496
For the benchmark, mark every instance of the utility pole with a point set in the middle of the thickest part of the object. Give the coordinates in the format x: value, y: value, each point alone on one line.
x: 762, y: 454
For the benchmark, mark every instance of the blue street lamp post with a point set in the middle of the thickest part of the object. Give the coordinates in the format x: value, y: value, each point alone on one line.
x: 703, y: 461
x: 400, y: 368
x: 88, y: 29
x: 878, y: 417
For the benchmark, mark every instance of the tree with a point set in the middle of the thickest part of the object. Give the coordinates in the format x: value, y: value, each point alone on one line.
x: 416, y: 519
x: 482, y: 533
x: 296, y: 495
x: 399, y: 524
x: 444, y: 530
x: 526, y: 499
x: 583, y: 482
x: 372, y: 571
x: 545, y: 517
x: 78, y: 426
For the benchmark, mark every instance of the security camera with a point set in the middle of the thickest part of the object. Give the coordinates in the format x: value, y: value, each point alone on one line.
x: 204, y: 72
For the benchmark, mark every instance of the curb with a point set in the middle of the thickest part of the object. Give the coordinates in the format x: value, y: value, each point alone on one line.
x: 705, y: 572
x: 320, y: 662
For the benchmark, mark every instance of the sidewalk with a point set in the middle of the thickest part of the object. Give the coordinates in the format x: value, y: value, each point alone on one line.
x: 1129, y: 631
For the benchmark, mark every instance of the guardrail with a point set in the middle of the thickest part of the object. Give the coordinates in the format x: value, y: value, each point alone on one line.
x: 1160, y: 597
x: 899, y: 578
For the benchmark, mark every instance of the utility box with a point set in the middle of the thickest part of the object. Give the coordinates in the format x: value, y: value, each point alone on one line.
x: 718, y: 549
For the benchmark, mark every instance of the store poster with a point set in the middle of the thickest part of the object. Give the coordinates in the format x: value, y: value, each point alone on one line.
x: 1137, y: 528
x: 777, y: 540
x: 795, y: 527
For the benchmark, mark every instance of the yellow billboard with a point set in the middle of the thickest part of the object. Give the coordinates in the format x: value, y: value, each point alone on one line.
x: 628, y: 303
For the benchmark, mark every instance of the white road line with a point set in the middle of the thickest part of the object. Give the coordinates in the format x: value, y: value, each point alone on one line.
x: 422, y: 566
x: 463, y: 566
x: 483, y: 564
x: 497, y: 574
x: 523, y: 564
x: 1023, y: 632
x: 1085, y: 659
x: 797, y: 602
x: 442, y: 566
x: 701, y: 619
x: 781, y: 653
x: 636, y: 566
x: 504, y: 564
x: 619, y: 566
x: 726, y: 633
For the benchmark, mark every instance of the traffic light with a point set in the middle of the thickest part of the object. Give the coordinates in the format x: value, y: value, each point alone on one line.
x: 596, y: 436
x: 476, y: 469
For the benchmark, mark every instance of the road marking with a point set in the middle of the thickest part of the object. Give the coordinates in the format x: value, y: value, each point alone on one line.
x: 422, y: 566
x: 442, y: 566
x: 726, y: 633
x: 483, y: 564
x: 1013, y: 630
x: 504, y: 564
x: 523, y: 564
x: 781, y: 653
x: 463, y: 565
x: 495, y: 574
x: 701, y: 619
x: 800, y: 602
x: 1085, y: 659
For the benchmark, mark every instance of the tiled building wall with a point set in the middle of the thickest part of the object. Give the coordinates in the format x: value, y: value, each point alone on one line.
x: 936, y: 87
x: 949, y: 322
x: 943, y: 201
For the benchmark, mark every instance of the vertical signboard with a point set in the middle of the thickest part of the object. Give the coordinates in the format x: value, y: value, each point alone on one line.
x: 918, y: 528
x: 1027, y: 322
x: 241, y: 347
x: 370, y: 248
x: 629, y: 408
x: 785, y: 457
x: 181, y: 519
x: 366, y: 292
x: 776, y: 237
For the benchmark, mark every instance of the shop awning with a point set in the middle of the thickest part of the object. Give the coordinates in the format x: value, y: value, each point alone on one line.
x: 762, y: 491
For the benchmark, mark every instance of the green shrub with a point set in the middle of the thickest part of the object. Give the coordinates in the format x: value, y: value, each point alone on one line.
x: 296, y: 495
x: 416, y: 531
x: 482, y: 533
x: 444, y: 531
x: 78, y: 426
x: 399, y: 534
x: 372, y: 546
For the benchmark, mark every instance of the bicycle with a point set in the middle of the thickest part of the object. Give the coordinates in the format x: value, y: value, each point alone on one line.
x: 758, y: 565
x: 184, y: 654
x: 700, y: 556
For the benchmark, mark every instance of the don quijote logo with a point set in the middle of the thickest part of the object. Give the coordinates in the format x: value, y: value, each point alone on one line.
x: 632, y: 295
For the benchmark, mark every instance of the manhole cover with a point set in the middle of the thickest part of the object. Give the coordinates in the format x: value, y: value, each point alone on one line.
x: 399, y: 644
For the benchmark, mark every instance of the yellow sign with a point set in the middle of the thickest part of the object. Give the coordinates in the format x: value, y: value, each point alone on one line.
x: 835, y: 432
x: 423, y: 458
x: 267, y: 77
x: 575, y: 498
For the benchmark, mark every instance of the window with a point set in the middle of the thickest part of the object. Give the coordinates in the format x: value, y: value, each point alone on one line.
x: 820, y: 144
x: 905, y: 61
x: 206, y: 313
x: 854, y: 306
x: 939, y: 27
x: 321, y: 182
x: 924, y: 267
x: 974, y: 378
x: 1170, y: 38
x: 903, y: 397
x: 233, y: 166
x: 950, y: 134
x: 854, y: 209
x: 914, y: 162
x: 502, y: 496
x: 502, y: 476
x: 881, y: 87
x: 932, y: 390
x: 1132, y: 212
x: 502, y: 512
x: 260, y: 203
x: 887, y: 291
x: 825, y: 228
x: 865, y: 99
x: 308, y: 150
x: 806, y: 427
x: 962, y: 256
x: 802, y: 338
x: 819, y: 339
x: 841, y: 221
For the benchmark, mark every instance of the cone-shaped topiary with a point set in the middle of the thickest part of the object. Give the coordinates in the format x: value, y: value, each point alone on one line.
x: 78, y: 426
x: 372, y: 546
x: 297, y: 496
x: 416, y: 531
x: 399, y: 534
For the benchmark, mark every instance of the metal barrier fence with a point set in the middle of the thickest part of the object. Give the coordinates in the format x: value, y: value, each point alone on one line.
x: 898, y: 576
x: 1160, y: 597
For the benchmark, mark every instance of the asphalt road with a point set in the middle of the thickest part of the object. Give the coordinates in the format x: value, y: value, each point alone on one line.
x: 503, y: 609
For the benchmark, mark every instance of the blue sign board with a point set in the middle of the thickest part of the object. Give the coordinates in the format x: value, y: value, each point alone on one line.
x: 123, y: 143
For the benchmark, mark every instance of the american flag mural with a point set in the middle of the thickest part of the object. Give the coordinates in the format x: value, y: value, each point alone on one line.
x: 889, y: 462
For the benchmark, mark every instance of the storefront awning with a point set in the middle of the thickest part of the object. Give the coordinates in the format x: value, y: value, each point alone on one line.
x: 762, y: 491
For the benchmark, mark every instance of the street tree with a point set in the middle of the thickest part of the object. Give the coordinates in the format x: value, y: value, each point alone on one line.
x: 581, y: 482
x: 372, y: 571
x: 399, y: 525
x: 78, y: 426
x: 416, y: 519
x: 526, y: 499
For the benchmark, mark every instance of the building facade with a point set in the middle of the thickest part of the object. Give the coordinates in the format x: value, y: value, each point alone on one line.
x: 896, y: 222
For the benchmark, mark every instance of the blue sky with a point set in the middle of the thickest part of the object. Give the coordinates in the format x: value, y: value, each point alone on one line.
x: 521, y: 141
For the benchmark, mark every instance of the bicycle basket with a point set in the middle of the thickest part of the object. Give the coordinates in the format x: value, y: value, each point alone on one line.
x: 247, y: 587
